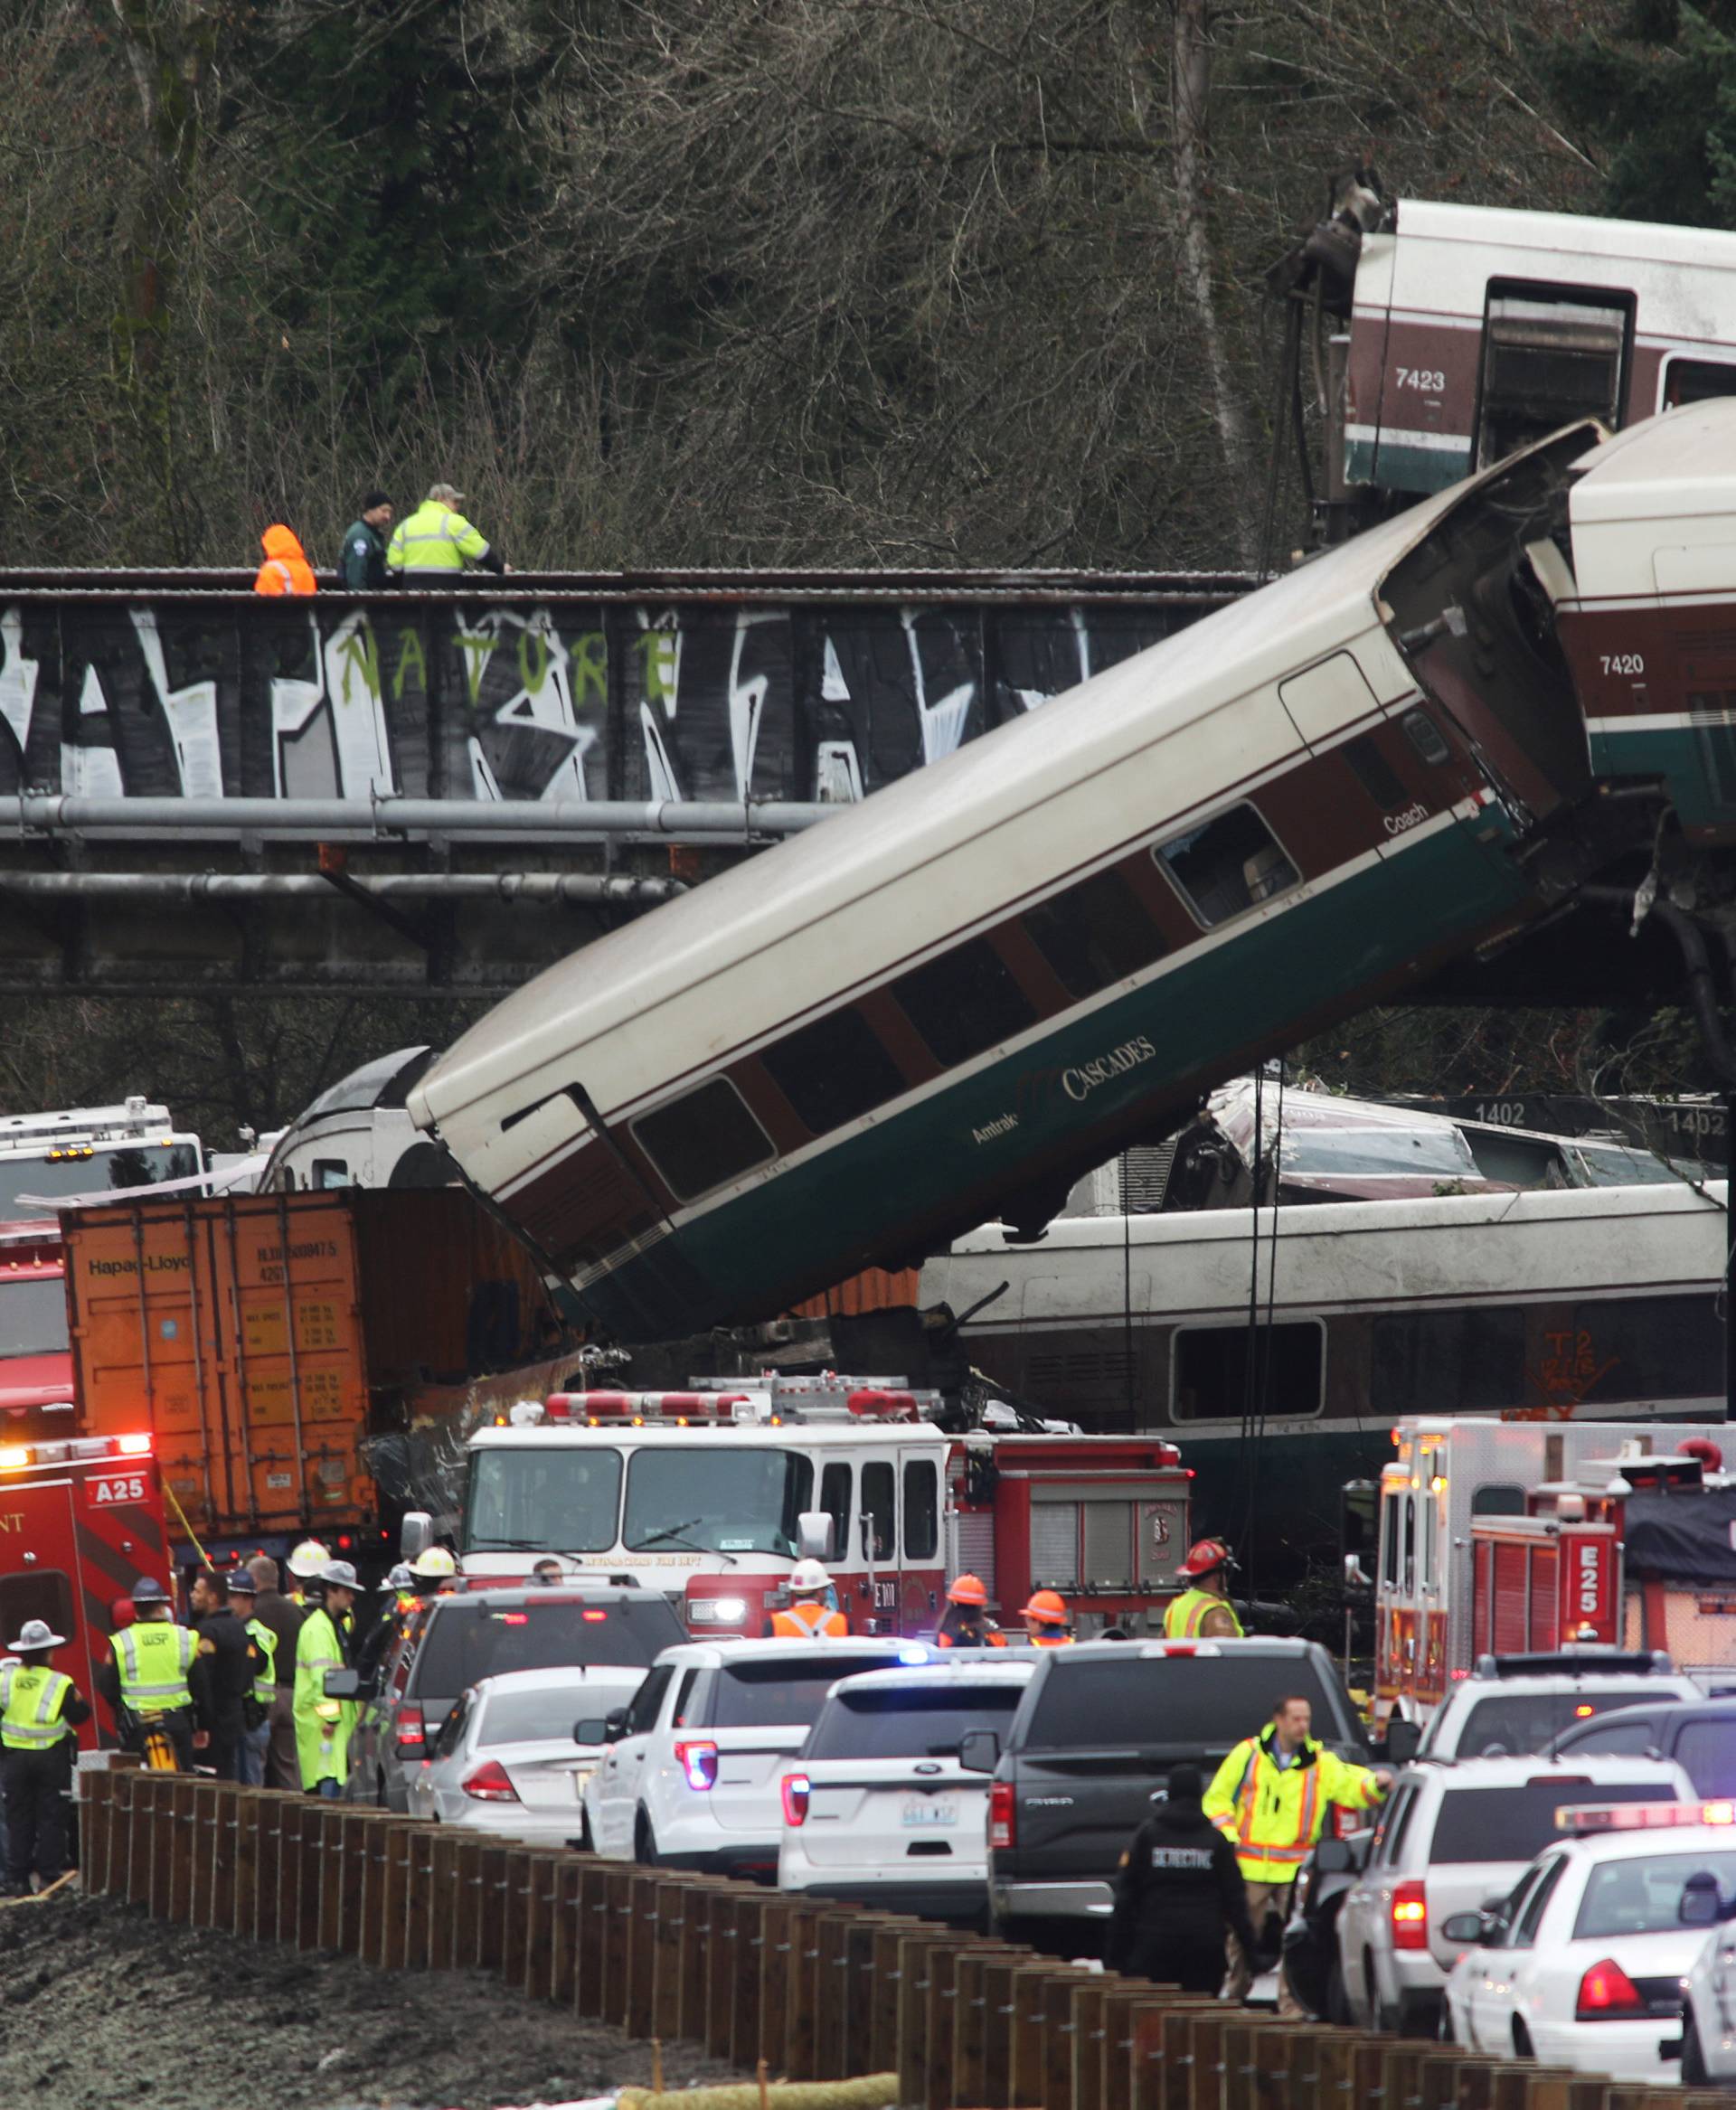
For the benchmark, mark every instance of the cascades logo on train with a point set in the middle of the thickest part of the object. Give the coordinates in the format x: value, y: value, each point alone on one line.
x: 1080, y: 1083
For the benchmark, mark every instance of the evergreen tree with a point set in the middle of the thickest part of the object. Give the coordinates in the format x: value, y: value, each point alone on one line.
x: 395, y: 170
x: 1660, y: 95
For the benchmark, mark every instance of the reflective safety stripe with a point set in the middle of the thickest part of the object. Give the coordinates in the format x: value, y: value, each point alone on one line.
x: 34, y: 1696
x: 808, y: 1618
x: 152, y: 1662
x: 265, y: 1690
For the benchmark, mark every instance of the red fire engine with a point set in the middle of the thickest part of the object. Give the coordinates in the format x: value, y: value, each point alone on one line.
x: 1516, y: 1537
x: 81, y: 1521
x: 712, y: 1494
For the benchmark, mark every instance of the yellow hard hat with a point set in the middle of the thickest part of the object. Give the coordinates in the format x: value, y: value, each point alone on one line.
x: 434, y: 1562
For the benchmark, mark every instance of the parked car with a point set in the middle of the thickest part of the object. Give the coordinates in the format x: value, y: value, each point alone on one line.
x: 1310, y: 1939
x: 1699, y: 1735
x: 1097, y: 1732
x: 451, y: 1642
x: 1451, y: 1838
x: 1584, y: 1962
x: 690, y: 1775
x: 878, y: 1810
x: 1709, y: 2003
x: 1509, y: 1705
x: 504, y: 1759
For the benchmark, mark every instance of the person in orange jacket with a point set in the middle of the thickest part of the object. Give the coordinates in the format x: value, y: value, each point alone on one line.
x: 285, y: 569
x: 1045, y: 1620
x: 809, y: 1615
x: 966, y: 1623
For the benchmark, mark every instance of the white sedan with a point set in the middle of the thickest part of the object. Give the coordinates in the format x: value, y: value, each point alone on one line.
x: 1583, y: 1964
x: 506, y: 1759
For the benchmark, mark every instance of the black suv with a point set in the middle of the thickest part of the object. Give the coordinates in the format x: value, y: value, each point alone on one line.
x: 1700, y: 1735
x: 450, y: 1642
x: 1095, y: 1737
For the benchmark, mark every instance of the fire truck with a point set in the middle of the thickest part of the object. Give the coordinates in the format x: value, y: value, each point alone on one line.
x: 81, y: 1521
x: 1520, y: 1537
x: 712, y: 1494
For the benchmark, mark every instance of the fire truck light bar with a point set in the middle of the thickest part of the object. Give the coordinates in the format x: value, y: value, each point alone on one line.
x: 680, y: 1408
x: 1586, y: 1817
x: 78, y: 1451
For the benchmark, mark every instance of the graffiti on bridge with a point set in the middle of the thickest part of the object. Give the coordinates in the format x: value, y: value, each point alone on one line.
x: 188, y: 697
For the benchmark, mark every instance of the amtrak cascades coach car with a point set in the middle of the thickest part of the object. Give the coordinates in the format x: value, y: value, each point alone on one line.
x: 950, y: 1002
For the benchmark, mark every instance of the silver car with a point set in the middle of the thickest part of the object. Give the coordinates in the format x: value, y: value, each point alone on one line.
x: 1451, y: 1838
x: 506, y: 1759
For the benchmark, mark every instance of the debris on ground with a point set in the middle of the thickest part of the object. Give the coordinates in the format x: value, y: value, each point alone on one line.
x: 101, y: 2004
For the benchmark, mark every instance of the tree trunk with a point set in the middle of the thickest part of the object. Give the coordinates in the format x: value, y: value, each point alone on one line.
x: 1190, y: 102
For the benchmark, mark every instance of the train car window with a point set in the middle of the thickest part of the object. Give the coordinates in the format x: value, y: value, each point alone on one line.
x: 1630, y: 1347
x: 1095, y: 934
x: 1374, y: 773
x: 1452, y: 1361
x: 1210, y: 1378
x: 1550, y: 353
x: 703, y: 1140
x: 964, y: 1002
x: 1695, y: 381
x: 833, y: 1070
x: 1425, y: 736
x: 1228, y: 866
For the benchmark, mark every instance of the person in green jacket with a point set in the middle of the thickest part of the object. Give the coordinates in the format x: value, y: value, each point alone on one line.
x: 436, y: 546
x: 323, y: 1727
x: 361, y: 567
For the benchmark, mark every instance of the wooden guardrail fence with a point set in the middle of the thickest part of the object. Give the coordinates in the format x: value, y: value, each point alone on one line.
x: 819, y: 1991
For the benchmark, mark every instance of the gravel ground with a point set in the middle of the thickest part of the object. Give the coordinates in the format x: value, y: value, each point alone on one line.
x: 100, y: 2005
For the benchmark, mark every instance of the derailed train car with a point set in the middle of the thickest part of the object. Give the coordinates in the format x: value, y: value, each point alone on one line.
x: 950, y: 1002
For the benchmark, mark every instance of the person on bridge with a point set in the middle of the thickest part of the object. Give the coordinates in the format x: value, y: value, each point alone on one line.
x: 362, y: 566
x: 324, y: 1726
x: 40, y: 1707
x: 1179, y: 1894
x: 1270, y: 1796
x: 285, y: 569
x: 1202, y: 1611
x: 966, y: 1623
x: 808, y: 1616
x: 1045, y: 1620
x: 151, y: 1673
x: 436, y: 545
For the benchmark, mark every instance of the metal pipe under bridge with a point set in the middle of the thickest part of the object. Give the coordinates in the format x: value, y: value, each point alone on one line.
x: 446, y: 789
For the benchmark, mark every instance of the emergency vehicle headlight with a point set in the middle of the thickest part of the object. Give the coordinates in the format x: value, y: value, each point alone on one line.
x: 13, y: 1456
x: 135, y: 1446
x: 1585, y: 1817
x: 716, y: 1611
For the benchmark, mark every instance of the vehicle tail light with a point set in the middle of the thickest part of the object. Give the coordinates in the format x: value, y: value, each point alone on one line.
x: 490, y: 1784
x: 698, y: 1762
x: 1003, y: 1817
x: 795, y: 1789
x: 1409, y: 1911
x: 1606, y: 1994
x: 411, y: 1734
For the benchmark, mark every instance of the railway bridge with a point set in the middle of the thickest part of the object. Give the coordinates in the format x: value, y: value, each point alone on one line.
x: 440, y: 790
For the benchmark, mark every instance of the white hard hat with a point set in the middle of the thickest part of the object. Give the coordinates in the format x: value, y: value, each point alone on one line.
x: 434, y: 1560
x: 39, y: 1633
x: 808, y: 1575
x: 341, y: 1573
x: 308, y: 1559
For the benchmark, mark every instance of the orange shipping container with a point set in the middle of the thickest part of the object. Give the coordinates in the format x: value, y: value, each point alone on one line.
x: 263, y: 1338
